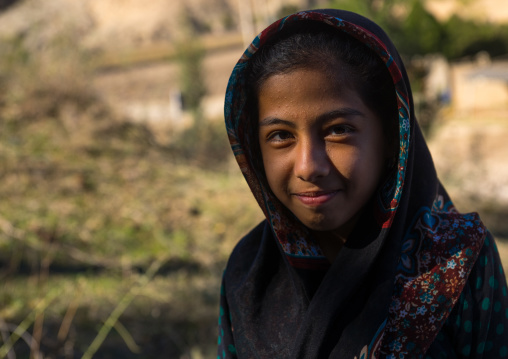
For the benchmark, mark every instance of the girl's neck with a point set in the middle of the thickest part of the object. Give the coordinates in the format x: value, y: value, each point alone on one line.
x: 331, y: 242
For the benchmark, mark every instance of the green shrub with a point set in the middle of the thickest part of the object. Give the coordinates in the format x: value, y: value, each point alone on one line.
x: 189, y: 55
x: 204, y: 144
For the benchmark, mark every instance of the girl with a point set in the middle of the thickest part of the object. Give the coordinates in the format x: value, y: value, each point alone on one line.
x: 362, y: 254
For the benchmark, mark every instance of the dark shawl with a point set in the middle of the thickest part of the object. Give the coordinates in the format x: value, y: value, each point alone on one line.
x: 415, y: 278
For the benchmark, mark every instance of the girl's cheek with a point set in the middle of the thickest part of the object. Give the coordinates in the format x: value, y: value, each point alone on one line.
x: 346, y: 161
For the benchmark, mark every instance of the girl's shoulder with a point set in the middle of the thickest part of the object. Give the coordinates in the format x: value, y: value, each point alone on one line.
x: 256, y: 255
x: 251, y: 242
x: 246, y: 251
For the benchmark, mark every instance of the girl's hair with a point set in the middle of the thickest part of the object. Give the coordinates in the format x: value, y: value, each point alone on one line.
x: 310, y: 44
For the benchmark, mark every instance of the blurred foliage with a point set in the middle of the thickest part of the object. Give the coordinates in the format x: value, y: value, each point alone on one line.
x: 420, y: 33
x: 204, y: 144
x: 189, y: 54
x: 39, y: 81
x: 89, y: 202
x: 229, y: 21
x: 286, y: 9
x: 416, y: 32
x: 465, y: 38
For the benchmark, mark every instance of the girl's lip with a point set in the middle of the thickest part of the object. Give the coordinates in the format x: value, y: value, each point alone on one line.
x: 315, y: 198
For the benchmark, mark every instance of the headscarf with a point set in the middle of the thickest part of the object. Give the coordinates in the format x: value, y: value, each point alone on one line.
x: 395, y: 282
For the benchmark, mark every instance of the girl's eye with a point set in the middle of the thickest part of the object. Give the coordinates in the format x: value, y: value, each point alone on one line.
x: 339, y: 130
x: 280, y: 136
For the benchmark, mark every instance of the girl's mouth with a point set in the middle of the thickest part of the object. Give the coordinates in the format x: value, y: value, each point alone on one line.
x: 315, y: 198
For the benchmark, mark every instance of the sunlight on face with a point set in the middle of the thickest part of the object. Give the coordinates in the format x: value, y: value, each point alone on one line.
x: 323, y: 149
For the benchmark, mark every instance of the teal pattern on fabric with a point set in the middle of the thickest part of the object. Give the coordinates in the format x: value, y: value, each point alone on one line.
x: 226, y: 348
x: 482, y: 333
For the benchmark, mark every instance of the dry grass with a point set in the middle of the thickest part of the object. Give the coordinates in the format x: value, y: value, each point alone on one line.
x: 86, y: 211
x: 90, y: 202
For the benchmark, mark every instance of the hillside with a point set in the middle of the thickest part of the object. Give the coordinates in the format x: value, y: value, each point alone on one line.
x: 120, y: 30
x: 117, y: 24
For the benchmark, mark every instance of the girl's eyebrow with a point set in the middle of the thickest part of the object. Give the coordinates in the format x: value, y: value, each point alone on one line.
x: 270, y: 121
x: 326, y: 117
x: 342, y: 112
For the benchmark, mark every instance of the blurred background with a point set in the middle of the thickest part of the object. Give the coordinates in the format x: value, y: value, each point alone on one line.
x: 121, y: 200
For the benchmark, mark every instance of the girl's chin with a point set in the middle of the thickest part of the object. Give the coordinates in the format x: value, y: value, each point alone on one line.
x: 331, y: 227
x: 322, y: 226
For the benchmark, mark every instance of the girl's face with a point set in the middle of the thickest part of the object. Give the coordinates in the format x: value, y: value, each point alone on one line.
x: 323, y: 149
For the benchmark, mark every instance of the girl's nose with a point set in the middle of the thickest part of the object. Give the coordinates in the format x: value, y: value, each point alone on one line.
x: 311, y: 161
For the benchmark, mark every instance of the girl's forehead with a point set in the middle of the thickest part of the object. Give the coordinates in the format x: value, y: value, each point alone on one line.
x: 308, y: 95
x: 310, y: 86
x: 338, y: 75
x: 308, y: 79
